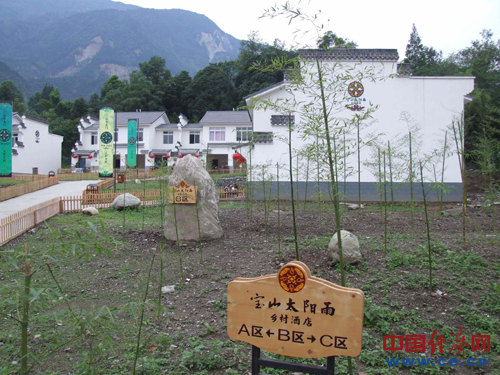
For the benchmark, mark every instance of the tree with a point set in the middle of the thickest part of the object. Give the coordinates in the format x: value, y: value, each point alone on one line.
x: 9, y: 92
x: 330, y: 40
x: 154, y: 70
x: 113, y: 83
x: 173, y: 97
x: 423, y: 60
x: 253, y: 56
x: 482, y: 60
x: 212, y: 89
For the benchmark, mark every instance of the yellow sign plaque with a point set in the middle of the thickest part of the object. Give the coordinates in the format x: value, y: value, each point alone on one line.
x: 182, y: 193
x: 295, y: 314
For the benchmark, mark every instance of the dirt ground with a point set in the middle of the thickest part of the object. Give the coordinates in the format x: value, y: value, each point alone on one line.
x: 394, y: 280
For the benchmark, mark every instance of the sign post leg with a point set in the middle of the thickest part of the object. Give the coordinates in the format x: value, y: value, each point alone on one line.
x: 255, y: 360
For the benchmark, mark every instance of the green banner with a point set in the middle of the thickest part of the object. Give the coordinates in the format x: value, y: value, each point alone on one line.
x: 132, y: 143
x: 5, y: 139
x: 106, y: 135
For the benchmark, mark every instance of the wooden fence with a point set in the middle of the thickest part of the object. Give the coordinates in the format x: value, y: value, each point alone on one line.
x: 18, y: 223
x: 25, y: 177
x: 17, y: 190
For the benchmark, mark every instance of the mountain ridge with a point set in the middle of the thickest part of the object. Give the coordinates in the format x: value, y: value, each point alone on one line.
x: 94, y: 39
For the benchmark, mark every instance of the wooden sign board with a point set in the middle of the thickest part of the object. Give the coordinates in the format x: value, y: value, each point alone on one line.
x: 182, y: 193
x: 295, y: 314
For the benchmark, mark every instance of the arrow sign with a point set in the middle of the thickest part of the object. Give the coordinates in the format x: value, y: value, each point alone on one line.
x: 269, y: 333
x: 312, y: 338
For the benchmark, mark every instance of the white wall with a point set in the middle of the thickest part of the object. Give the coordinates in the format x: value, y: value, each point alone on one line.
x: 432, y: 102
x: 44, y: 154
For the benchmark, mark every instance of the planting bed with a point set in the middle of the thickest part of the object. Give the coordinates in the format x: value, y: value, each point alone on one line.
x: 189, y: 336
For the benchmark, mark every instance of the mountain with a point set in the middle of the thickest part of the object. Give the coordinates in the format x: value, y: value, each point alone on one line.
x: 76, y: 45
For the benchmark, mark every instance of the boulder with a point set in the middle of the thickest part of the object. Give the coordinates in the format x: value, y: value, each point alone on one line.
x: 350, y: 247
x: 125, y: 201
x: 190, y: 170
x: 91, y: 211
x: 137, y: 181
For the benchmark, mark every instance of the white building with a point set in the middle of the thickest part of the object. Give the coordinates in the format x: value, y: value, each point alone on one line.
x: 159, y: 140
x: 357, y: 81
x: 34, y: 148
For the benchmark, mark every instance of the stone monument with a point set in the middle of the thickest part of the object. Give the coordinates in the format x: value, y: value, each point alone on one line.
x: 206, y: 208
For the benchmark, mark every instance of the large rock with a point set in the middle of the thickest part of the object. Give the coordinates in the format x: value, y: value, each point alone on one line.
x: 125, y: 201
x: 190, y: 169
x: 350, y: 247
x: 91, y: 211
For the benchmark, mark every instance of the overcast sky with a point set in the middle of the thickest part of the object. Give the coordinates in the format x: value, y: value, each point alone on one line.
x: 447, y: 25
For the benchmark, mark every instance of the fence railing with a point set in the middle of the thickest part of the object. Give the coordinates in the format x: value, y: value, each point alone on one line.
x: 17, y: 190
x: 25, y: 177
x: 18, y: 223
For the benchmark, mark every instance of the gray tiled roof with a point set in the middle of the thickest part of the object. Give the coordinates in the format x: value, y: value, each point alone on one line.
x: 264, y: 90
x: 230, y: 117
x: 160, y: 151
x: 126, y: 144
x: 227, y: 144
x: 39, y: 119
x: 189, y: 150
x: 93, y: 127
x: 350, y: 54
x: 143, y: 117
x: 193, y: 126
x: 167, y: 126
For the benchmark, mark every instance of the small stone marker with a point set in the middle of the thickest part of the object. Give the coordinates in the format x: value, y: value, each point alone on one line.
x: 182, y: 193
x: 350, y: 247
x: 295, y: 314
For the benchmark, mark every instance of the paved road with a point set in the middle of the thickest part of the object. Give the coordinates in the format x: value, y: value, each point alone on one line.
x: 62, y: 189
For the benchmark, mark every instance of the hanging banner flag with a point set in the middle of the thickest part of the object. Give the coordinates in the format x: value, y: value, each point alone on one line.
x: 132, y: 143
x: 5, y: 139
x: 106, y: 134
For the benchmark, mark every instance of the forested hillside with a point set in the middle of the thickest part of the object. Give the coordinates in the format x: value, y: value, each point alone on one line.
x: 78, y: 45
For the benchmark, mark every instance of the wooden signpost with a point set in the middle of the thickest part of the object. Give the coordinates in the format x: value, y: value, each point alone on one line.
x: 182, y: 193
x: 295, y: 314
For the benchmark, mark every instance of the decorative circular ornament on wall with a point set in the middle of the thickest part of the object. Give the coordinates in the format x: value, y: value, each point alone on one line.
x: 106, y: 137
x: 37, y: 136
x: 291, y: 279
x: 355, y: 89
x: 5, y: 135
x: 131, y: 141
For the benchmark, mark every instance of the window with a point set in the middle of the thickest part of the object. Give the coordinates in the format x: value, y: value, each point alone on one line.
x: 282, y: 120
x: 217, y: 134
x: 168, y: 138
x: 93, y: 138
x: 194, y: 137
x: 15, y: 139
x: 140, y: 134
x: 243, y: 134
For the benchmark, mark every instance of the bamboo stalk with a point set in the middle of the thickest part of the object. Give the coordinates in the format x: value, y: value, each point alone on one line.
x: 428, y: 228
x: 25, y: 321
x: 279, y: 213
x: 291, y: 186
x: 142, y: 316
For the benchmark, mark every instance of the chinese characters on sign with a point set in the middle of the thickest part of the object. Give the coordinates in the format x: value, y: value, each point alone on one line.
x: 132, y: 143
x: 418, y: 343
x: 5, y: 139
x: 106, y: 131
x: 182, y: 193
x: 295, y: 314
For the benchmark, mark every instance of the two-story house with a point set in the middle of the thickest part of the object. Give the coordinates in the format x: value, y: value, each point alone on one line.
x: 212, y: 139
